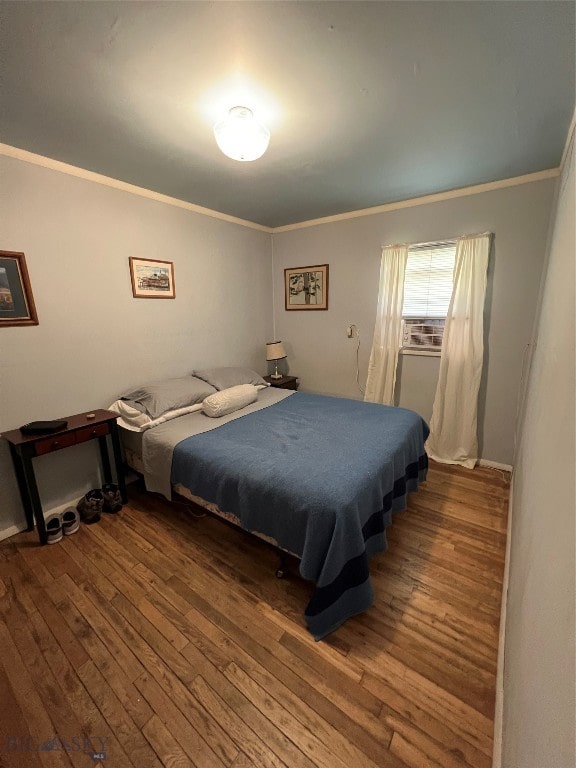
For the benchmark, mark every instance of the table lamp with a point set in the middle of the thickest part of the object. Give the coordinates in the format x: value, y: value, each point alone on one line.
x: 274, y: 352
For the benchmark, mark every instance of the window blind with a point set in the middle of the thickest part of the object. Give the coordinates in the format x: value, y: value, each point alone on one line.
x: 428, y: 279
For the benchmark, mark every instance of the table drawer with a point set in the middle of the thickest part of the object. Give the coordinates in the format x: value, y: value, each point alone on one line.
x: 54, y: 443
x: 89, y: 433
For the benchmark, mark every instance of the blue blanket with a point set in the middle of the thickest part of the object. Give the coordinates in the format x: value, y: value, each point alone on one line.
x: 322, y: 476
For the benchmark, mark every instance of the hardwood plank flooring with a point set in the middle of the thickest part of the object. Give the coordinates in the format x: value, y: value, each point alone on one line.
x: 162, y: 637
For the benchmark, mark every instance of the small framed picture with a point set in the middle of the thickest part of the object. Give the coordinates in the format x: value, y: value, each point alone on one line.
x: 16, y: 300
x: 152, y: 279
x: 306, y: 287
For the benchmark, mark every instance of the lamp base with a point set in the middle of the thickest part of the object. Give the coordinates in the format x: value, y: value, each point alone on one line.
x: 275, y: 375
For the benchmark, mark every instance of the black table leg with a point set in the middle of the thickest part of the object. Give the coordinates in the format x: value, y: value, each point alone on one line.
x: 31, y: 493
x: 118, y: 461
x: 103, y: 443
x: 20, y: 477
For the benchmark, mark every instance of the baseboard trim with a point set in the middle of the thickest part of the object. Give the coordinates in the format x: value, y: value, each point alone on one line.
x: 499, y: 705
x: 15, y: 529
x: 12, y: 531
x: 495, y: 465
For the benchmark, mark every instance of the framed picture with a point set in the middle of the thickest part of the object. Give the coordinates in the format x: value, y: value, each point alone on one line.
x: 152, y: 279
x: 16, y: 300
x: 306, y: 287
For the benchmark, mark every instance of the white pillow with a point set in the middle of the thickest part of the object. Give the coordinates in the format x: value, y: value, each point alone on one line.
x: 229, y: 400
x: 136, y: 421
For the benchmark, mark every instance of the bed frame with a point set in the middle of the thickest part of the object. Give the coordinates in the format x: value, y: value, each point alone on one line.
x: 134, y: 461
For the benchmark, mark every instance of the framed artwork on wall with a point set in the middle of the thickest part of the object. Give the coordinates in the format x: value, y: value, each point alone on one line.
x: 152, y: 279
x: 306, y: 287
x: 16, y: 300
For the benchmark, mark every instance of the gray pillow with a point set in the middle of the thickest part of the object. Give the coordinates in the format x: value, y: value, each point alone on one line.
x: 161, y: 396
x: 224, y: 378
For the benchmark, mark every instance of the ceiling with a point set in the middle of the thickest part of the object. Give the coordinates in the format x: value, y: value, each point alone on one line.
x: 367, y: 102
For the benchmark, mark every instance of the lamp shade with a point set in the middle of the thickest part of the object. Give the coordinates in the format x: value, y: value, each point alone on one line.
x: 275, y: 350
x: 240, y: 136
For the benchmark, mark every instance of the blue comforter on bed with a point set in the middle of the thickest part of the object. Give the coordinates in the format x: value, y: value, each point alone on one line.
x: 322, y: 476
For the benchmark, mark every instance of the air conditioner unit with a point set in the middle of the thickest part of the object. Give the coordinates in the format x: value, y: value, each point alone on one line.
x: 422, y: 333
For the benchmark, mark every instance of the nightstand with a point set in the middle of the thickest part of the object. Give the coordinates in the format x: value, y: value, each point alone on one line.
x: 286, y: 382
x: 81, y: 428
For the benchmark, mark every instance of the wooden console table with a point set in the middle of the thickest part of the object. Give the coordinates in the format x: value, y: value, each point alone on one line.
x: 80, y: 429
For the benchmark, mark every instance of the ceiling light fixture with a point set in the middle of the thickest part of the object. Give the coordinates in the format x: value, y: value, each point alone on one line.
x: 240, y: 136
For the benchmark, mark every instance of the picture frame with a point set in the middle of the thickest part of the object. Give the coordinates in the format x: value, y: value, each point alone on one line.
x: 16, y: 300
x: 152, y: 278
x: 306, y: 288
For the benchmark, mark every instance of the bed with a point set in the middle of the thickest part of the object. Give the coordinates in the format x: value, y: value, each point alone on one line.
x: 319, y: 476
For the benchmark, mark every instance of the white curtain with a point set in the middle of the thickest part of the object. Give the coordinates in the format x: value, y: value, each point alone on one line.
x: 453, y: 429
x: 388, y: 329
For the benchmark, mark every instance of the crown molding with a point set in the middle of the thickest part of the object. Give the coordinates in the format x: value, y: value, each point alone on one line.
x: 107, y: 181
x: 528, y: 178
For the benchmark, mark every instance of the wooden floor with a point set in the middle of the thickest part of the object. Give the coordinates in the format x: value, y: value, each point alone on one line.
x: 165, y: 639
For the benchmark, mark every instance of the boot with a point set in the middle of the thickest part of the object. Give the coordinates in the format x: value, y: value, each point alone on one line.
x: 90, y: 506
x: 112, y: 498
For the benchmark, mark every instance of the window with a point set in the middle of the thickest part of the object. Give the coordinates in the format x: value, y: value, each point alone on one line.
x: 427, y: 291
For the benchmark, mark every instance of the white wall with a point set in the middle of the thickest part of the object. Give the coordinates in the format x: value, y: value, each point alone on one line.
x: 94, y: 339
x: 325, y: 360
x: 539, y: 673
